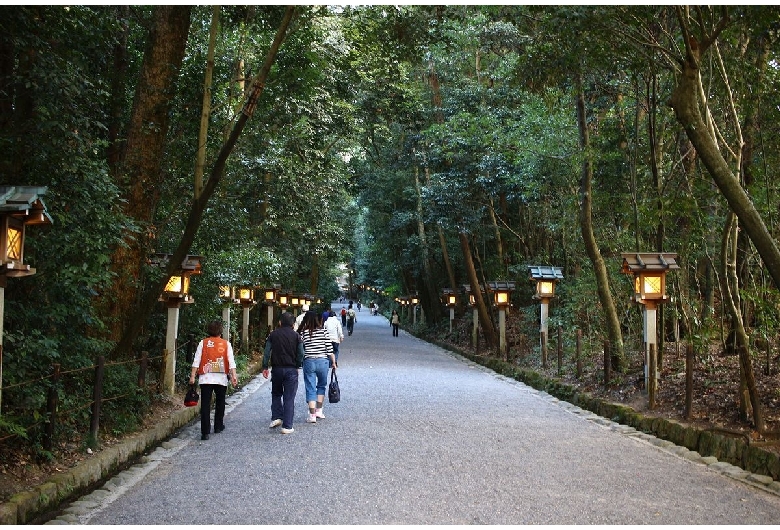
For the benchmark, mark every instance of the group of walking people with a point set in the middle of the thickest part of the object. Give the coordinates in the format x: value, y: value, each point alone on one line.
x: 312, y: 344
x: 310, y: 341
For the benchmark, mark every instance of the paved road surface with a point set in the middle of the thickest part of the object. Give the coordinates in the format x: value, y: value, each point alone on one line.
x: 421, y: 436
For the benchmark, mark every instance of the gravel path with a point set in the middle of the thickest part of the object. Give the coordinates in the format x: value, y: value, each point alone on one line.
x: 421, y: 436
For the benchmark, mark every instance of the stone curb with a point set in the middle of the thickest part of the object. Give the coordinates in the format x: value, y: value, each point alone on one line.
x: 25, y: 507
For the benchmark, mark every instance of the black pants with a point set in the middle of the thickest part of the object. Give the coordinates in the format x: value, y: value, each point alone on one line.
x: 395, y: 330
x: 205, y: 408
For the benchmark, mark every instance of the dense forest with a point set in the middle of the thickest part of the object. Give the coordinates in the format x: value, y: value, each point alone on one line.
x: 415, y: 149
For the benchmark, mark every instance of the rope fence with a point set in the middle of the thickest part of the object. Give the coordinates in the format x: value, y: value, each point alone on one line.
x: 52, y: 416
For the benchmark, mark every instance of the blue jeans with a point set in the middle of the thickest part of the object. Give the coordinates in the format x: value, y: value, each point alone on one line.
x: 315, y: 377
x: 284, y: 386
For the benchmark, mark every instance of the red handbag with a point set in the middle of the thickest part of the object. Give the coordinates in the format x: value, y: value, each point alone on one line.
x: 192, y: 397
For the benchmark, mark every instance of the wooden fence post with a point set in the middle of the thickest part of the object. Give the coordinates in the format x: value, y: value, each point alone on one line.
x: 51, y: 409
x: 144, y: 364
x: 607, y: 364
x: 688, y: 381
x: 560, y: 349
x: 97, y: 398
x: 578, y: 353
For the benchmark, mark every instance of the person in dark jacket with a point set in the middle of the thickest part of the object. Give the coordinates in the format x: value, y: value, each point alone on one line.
x: 284, y: 353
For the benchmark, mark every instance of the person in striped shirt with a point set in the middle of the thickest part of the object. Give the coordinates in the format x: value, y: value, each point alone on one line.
x: 318, y: 356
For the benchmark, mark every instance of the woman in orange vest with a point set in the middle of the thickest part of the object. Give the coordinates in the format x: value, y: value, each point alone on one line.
x: 213, y: 362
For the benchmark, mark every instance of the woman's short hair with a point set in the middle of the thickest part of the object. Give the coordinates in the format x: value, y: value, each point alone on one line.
x: 214, y: 329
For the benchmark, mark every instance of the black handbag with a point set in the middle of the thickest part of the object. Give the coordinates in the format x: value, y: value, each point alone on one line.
x: 334, y: 394
x: 192, y: 397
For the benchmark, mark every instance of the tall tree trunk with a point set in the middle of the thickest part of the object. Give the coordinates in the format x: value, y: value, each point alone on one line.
x: 686, y: 104
x: 447, y: 262
x: 748, y: 392
x: 145, y: 307
x: 118, y: 95
x: 687, y: 101
x: 589, y: 239
x: 205, y: 111
x: 436, y: 100
x: 430, y: 301
x: 140, y: 176
x: 656, y: 158
x: 497, y: 232
x: 489, y: 330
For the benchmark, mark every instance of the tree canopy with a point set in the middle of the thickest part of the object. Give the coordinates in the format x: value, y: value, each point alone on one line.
x: 420, y: 147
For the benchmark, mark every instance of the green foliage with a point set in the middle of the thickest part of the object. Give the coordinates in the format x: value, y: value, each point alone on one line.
x: 466, y: 112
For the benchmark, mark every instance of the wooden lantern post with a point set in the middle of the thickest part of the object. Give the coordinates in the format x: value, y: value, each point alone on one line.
x: 450, y: 300
x: 474, y: 316
x: 246, y: 298
x: 20, y: 206
x: 649, y: 272
x: 269, y: 298
x: 545, y: 278
x: 501, y: 298
x: 175, y: 294
x: 227, y: 295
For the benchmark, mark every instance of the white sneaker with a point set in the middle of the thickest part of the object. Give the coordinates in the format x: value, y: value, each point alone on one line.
x: 311, y: 419
x: 287, y: 431
x: 275, y: 424
x: 319, y: 413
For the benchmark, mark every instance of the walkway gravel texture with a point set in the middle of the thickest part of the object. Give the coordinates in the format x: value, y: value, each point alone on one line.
x: 423, y: 436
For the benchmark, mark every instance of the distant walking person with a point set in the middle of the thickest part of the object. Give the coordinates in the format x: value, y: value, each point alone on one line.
x: 335, y: 333
x: 318, y: 349
x: 284, y: 353
x: 394, y: 321
x: 351, y: 319
x: 214, y: 364
x: 343, y: 317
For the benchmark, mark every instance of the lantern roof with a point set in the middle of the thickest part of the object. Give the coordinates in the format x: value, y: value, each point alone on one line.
x: 25, y: 202
x: 541, y: 272
x: 191, y: 263
x: 503, y: 286
x: 636, y: 262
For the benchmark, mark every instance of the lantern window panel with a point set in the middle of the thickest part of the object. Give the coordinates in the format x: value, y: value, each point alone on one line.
x: 245, y: 293
x: 546, y: 287
x: 14, y: 240
x: 178, y: 284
